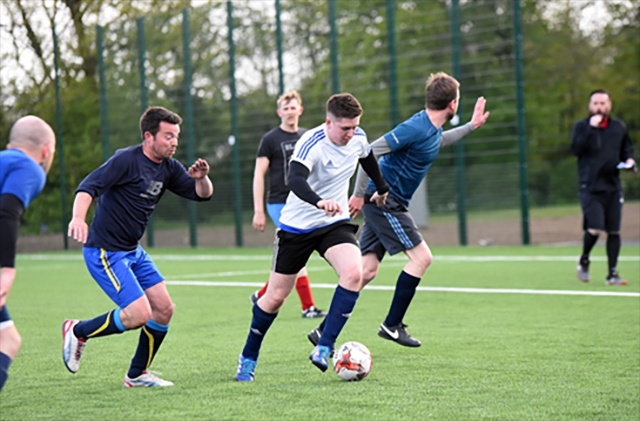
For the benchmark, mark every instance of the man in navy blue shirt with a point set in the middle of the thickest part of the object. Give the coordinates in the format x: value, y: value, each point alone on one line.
x: 406, y: 154
x: 129, y: 185
x: 23, y: 170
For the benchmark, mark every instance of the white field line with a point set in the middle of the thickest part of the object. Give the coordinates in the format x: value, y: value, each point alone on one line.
x: 242, y: 258
x: 431, y: 289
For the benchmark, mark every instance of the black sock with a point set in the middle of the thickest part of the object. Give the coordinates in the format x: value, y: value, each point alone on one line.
x: 613, y: 250
x: 405, y: 290
x: 5, y: 362
x: 151, y: 336
x: 587, y: 244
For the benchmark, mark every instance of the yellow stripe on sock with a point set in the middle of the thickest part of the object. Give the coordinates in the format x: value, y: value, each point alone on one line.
x: 103, y: 327
x: 107, y: 267
x: 150, y: 336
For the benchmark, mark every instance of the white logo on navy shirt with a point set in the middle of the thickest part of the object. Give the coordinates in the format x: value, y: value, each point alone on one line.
x: 154, y: 189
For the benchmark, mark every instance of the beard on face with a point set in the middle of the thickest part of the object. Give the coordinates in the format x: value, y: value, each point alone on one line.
x: 450, y: 115
x: 601, y: 112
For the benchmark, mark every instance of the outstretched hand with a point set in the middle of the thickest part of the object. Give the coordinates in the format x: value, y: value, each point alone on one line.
x: 199, y: 169
x: 479, y: 116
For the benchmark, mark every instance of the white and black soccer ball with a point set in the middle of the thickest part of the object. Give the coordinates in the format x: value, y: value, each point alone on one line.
x: 352, y: 361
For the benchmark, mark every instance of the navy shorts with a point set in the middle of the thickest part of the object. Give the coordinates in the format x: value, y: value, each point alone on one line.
x: 389, y: 228
x: 122, y: 275
x: 601, y: 210
x: 291, y: 251
x: 5, y: 318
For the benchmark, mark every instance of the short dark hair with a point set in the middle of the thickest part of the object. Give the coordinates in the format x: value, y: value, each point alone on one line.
x: 151, y: 119
x: 344, y: 106
x: 598, y: 91
x: 440, y: 90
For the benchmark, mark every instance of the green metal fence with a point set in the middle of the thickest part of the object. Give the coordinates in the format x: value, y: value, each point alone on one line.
x: 222, y: 65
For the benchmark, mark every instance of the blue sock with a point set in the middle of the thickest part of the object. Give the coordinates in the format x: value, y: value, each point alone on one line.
x: 260, y: 324
x: 405, y: 290
x: 151, y: 336
x: 341, y: 307
x: 106, y: 324
x: 323, y: 324
x: 5, y: 362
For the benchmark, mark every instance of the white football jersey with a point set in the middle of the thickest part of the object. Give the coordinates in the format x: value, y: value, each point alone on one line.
x: 330, y: 168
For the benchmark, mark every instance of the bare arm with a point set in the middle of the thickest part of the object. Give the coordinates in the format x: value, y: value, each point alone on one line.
x: 204, y: 187
x: 199, y: 172
x: 78, y: 228
x: 259, y: 218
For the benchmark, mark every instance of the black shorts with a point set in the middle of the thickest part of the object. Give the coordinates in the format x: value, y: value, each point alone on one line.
x: 292, y: 251
x: 389, y: 228
x: 601, y: 210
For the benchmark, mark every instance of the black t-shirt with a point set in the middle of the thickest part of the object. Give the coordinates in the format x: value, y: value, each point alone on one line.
x: 128, y: 187
x: 277, y: 145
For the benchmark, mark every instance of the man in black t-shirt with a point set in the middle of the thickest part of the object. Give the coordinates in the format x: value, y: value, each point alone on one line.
x: 274, y: 153
x: 603, y: 146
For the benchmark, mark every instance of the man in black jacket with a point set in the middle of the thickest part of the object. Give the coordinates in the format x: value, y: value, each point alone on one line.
x: 603, y: 146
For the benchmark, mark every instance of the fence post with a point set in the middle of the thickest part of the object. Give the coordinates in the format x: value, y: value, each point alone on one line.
x: 335, y: 75
x: 233, y: 139
x: 522, y: 134
x: 459, y: 146
x: 60, y: 141
x: 188, y: 119
x: 104, y: 122
x: 393, y: 76
x: 279, y: 47
x: 144, y: 104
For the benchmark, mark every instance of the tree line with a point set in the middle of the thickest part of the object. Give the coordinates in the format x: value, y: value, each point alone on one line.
x: 563, y: 62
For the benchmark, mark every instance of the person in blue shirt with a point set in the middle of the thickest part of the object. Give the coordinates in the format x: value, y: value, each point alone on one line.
x: 129, y: 185
x: 23, y: 171
x: 406, y: 153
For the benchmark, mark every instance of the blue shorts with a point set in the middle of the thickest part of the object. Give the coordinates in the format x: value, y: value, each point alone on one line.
x: 122, y: 275
x: 5, y: 319
x: 274, y: 210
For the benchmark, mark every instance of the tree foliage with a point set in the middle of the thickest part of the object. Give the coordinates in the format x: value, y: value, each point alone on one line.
x: 562, y: 64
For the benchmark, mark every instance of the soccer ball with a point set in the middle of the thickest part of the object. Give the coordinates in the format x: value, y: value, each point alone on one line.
x: 352, y: 361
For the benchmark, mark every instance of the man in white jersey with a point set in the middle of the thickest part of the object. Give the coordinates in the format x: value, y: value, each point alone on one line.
x: 315, y: 217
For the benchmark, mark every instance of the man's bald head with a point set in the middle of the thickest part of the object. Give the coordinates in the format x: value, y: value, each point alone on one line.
x: 31, y: 132
x: 35, y: 137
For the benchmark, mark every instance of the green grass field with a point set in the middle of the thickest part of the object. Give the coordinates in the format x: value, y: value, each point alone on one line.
x: 492, y: 351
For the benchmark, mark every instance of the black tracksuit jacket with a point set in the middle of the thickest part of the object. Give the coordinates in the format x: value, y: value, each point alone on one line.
x: 599, y: 151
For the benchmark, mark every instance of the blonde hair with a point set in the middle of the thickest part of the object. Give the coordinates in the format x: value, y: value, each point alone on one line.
x: 287, y: 97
